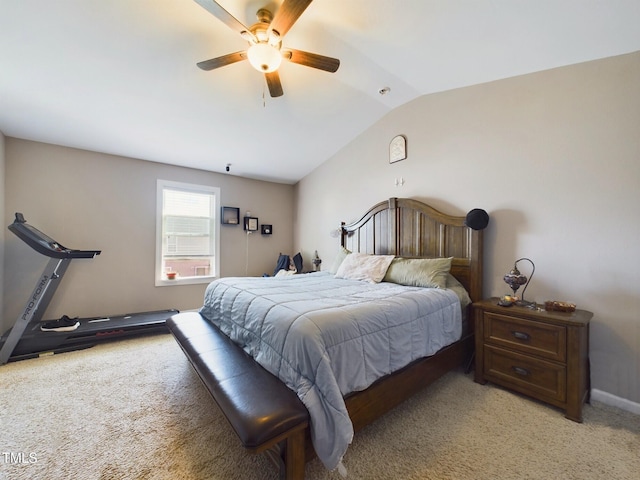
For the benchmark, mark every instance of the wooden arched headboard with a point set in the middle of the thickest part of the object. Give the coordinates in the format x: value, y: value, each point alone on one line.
x: 408, y: 228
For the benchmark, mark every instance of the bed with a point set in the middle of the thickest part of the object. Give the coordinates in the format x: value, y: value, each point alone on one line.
x: 298, y: 328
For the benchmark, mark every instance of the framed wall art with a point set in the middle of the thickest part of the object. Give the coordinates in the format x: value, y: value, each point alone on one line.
x: 251, y: 224
x: 397, y: 148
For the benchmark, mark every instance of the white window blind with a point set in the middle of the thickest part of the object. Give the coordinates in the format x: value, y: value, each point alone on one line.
x: 187, y: 223
x: 187, y: 233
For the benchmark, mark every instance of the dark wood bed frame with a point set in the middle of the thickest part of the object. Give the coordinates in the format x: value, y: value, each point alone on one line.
x: 276, y: 423
x: 411, y: 229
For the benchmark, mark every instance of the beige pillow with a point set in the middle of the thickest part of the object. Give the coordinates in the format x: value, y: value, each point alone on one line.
x: 458, y: 289
x: 342, y: 254
x: 361, y: 266
x: 419, y: 272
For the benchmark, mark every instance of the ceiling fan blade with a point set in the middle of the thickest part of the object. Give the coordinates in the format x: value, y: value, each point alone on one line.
x: 313, y: 60
x: 222, y: 61
x: 287, y: 15
x: 273, y: 82
x: 225, y: 17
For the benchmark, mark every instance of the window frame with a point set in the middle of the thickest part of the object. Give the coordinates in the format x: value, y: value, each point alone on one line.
x: 161, y: 185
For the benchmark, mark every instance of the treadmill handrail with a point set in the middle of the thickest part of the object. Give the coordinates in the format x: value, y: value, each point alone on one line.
x: 44, y: 244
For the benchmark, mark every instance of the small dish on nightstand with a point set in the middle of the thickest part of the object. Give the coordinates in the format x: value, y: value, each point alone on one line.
x: 507, y: 301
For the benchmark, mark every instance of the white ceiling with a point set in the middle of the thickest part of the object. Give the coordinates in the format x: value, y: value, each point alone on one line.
x: 120, y: 76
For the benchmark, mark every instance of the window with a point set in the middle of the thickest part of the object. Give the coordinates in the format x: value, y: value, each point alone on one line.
x: 187, y: 246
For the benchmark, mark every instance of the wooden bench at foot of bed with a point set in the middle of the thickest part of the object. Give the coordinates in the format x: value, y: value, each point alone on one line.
x: 266, y: 415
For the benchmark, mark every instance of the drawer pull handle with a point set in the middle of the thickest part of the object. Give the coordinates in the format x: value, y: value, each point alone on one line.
x: 521, y: 335
x: 521, y: 371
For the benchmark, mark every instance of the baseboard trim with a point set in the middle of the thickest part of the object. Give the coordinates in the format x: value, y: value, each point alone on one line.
x: 613, y: 401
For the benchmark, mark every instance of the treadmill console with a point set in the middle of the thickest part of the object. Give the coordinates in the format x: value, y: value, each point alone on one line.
x: 43, y: 243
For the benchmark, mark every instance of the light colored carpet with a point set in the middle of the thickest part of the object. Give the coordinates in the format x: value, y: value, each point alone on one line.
x: 134, y: 409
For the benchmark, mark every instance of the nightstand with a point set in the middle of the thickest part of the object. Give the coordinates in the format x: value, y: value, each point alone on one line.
x: 544, y: 355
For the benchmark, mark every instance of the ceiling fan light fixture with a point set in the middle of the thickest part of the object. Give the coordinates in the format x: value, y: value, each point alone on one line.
x: 248, y: 36
x: 264, y: 57
x: 264, y: 38
x: 274, y: 38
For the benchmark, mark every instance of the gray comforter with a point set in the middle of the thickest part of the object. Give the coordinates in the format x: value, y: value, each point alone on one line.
x: 326, y: 337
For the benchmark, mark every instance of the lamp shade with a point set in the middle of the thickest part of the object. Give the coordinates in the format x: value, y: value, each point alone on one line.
x: 264, y: 57
x: 515, y: 279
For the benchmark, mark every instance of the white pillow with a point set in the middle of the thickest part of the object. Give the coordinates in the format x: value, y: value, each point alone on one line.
x: 342, y: 254
x: 285, y: 273
x: 362, y: 266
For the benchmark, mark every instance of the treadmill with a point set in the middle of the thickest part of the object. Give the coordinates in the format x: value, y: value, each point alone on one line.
x: 26, y: 340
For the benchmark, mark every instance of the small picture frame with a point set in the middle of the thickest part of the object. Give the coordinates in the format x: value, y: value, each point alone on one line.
x: 251, y: 224
x: 266, y: 229
x: 397, y: 148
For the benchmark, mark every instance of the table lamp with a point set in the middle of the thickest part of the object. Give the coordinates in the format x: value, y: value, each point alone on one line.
x: 515, y: 279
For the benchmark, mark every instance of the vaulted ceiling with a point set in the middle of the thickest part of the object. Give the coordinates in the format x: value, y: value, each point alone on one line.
x: 120, y: 76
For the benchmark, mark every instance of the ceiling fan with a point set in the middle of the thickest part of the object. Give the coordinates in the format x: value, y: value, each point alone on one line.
x: 265, y: 52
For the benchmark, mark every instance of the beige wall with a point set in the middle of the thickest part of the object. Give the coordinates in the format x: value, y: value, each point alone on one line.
x: 88, y: 200
x: 2, y: 218
x: 554, y: 157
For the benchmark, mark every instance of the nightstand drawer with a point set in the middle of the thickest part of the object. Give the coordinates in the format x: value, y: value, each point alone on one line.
x: 528, y: 375
x: 537, y: 338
